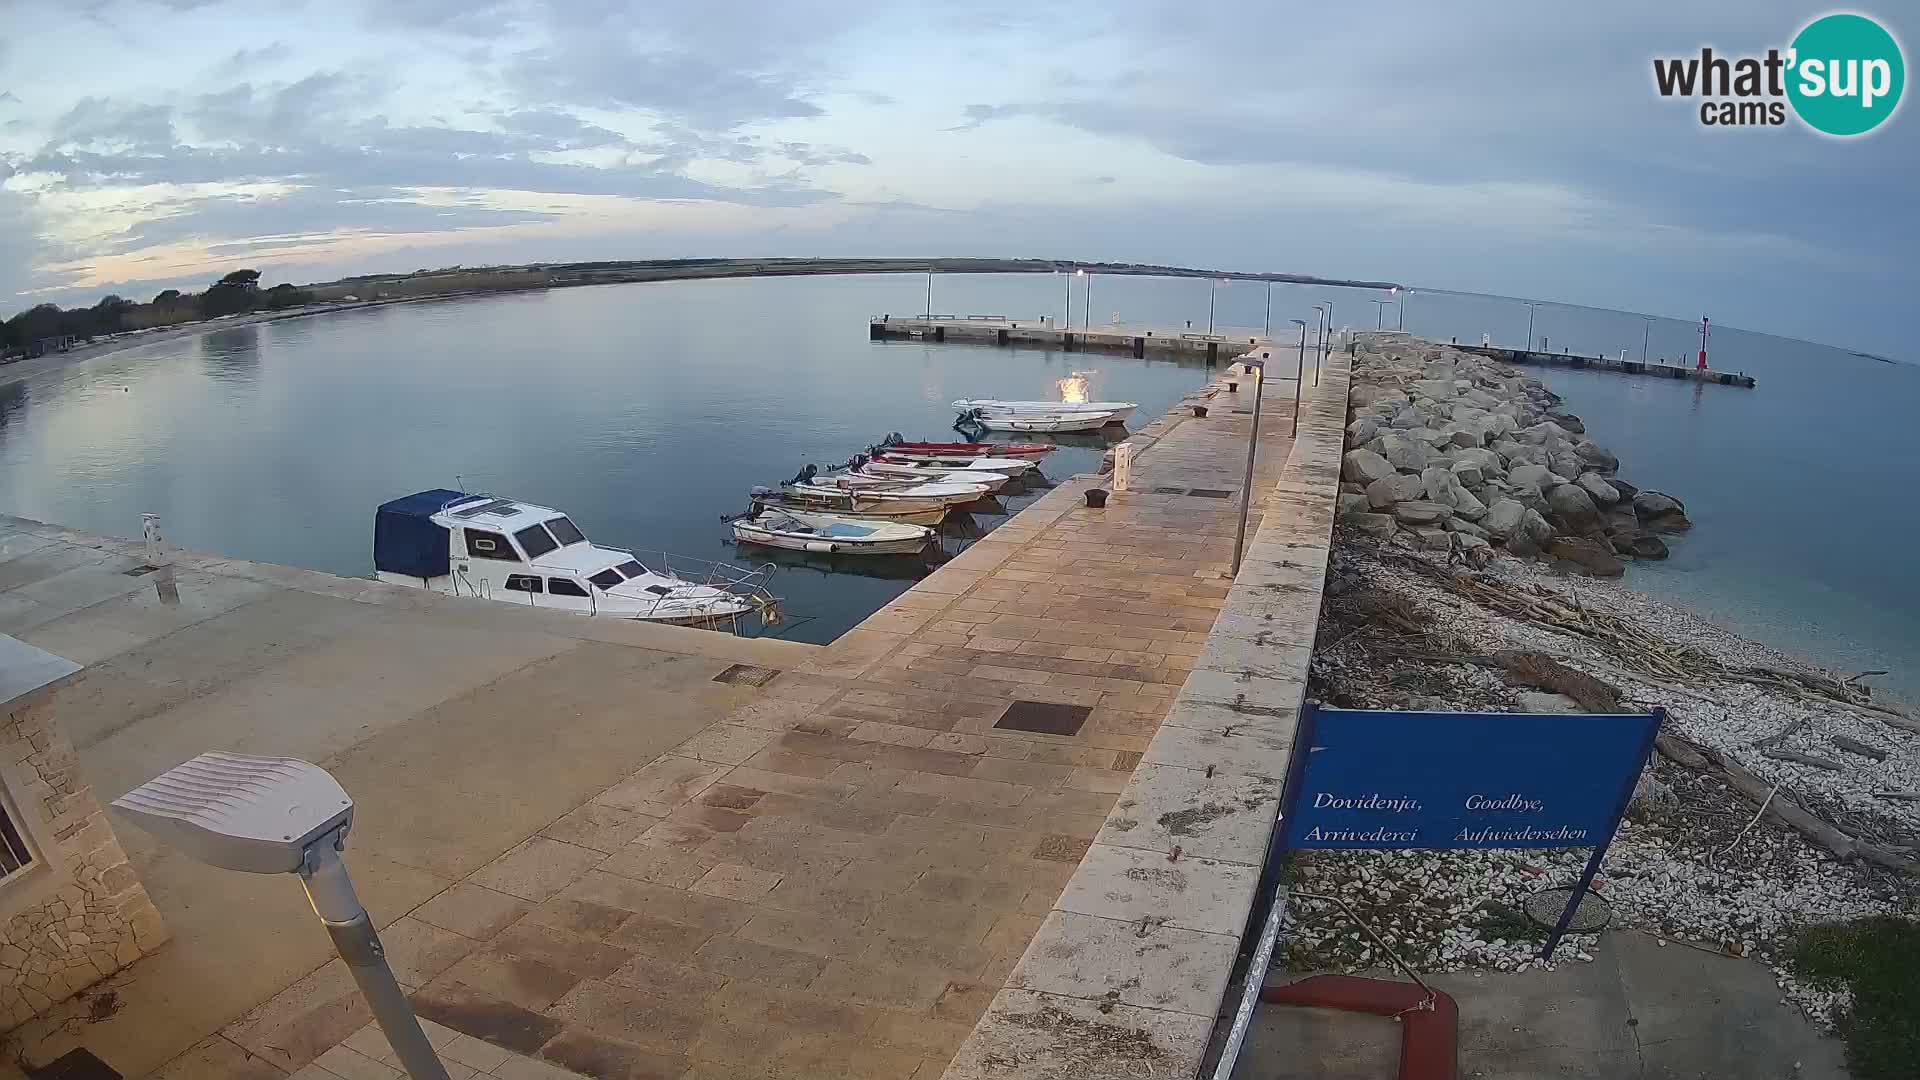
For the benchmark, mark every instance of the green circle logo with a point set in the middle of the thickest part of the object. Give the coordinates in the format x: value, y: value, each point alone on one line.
x: 1846, y: 74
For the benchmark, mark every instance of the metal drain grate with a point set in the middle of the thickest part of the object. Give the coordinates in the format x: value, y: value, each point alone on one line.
x: 1169, y: 491
x: 1044, y: 718
x: 1210, y: 493
x: 747, y: 675
x: 139, y: 570
x: 75, y: 1065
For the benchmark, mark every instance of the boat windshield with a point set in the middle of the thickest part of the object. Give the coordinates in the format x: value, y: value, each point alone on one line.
x: 631, y: 568
x: 607, y: 578
x: 535, y: 541
x: 565, y: 531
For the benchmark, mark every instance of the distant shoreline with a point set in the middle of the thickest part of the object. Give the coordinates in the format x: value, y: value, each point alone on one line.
x: 622, y: 272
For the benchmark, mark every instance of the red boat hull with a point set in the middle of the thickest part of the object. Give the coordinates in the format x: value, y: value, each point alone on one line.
x: 972, y: 449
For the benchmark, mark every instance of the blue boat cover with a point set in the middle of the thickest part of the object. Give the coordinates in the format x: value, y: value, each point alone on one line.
x: 405, y: 539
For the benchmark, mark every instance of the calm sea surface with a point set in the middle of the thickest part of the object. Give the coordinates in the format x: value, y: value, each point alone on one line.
x: 647, y: 411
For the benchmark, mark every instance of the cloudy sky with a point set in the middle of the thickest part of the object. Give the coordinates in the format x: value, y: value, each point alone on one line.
x: 1508, y: 148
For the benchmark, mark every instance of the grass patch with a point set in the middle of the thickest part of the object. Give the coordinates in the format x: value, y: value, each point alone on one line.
x: 1878, y: 959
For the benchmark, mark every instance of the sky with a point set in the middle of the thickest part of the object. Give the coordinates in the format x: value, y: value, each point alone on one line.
x: 1516, y: 149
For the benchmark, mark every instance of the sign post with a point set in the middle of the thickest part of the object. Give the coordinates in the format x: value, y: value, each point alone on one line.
x: 1122, y: 466
x: 1367, y: 779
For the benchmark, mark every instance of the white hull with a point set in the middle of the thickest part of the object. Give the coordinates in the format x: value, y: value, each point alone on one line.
x: 954, y: 468
x: 831, y: 534
x: 841, y: 504
x: 696, y: 605
x: 913, y: 496
x: 1120, y: 410
x: 887, y: 470
x: 1035, y: 422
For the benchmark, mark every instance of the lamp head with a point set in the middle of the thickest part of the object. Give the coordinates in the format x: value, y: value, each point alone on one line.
x: 240, y: 812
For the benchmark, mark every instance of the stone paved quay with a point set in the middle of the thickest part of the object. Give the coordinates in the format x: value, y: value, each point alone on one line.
x: 836, y: 876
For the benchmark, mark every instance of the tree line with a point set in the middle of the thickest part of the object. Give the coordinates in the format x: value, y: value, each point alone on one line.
x: 47, y: 325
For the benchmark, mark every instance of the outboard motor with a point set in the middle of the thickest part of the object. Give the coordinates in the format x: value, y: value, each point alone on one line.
x: 857, y: 462
x: 805, y: 475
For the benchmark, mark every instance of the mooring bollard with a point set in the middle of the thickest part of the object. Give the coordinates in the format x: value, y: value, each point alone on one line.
x: 1096, y: 498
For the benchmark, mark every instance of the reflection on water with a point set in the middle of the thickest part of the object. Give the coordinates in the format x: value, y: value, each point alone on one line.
x: 231, y: 354
x: 13, y: 402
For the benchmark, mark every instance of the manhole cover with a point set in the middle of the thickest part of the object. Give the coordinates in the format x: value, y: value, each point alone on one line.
x: 75, y: 1065
x: 747, y: 675
x: 1210, y: 493
x: 1044, y: 717
x: 1546, y: 906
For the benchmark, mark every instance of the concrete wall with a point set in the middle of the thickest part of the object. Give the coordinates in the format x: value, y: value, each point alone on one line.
x: 79, y: 913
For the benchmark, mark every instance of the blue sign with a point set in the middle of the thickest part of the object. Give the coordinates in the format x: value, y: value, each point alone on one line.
x: 1371, y: 779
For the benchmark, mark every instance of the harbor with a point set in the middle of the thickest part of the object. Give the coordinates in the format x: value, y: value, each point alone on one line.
x: 845, y: 855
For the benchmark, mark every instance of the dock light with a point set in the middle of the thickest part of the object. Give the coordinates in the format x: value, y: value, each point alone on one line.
x: 1299, y: 368
x: 1323, y: 325
x: 272, y: 815
x: 1257, y: 369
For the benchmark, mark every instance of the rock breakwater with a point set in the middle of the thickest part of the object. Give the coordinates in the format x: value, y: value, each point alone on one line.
x: 1455, y: 452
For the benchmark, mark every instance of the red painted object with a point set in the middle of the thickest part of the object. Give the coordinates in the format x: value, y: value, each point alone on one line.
x: 1429, y: 1033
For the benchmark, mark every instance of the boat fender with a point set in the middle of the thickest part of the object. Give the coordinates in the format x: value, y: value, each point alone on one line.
x: 821, y: 545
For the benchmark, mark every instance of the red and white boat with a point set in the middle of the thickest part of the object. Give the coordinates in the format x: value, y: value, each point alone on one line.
x: 925, y: 450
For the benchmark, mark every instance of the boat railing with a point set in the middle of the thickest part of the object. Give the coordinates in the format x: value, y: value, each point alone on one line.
x: 749, y: 583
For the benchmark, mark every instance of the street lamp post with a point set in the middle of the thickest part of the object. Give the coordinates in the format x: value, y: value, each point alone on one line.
x: 1066, y: 289
x: 1213, y: 286
x: 1325, y: 351
x: 1646, y: 328
x: 1299, y: 369
x: 1530, y: 309
x: 1269, y: 330
x: 1400, y: 315
x: 929, y: 293
x: 1086, y: 308
x: 1258, y: 369
x: 1322, y: 327
x: 1379, y: 313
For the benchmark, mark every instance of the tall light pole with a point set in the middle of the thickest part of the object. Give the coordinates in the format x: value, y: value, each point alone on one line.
x: 1086, y: 309
x: 1530, y: 308
x: 1269, y: 330
x: 1213, y: 285
x: 1646, y: 328
x: 1066, y: 289
x: 1258, y: 369
x: 1299, y: 369
x: 1327, y: 352
x: 1400, y: 315
x: 1323, y: 326
x: 929, y: 293
x: 1379, y: 313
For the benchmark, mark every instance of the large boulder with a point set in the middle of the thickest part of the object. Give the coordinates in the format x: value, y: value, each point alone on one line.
x: 1362, y: 430
x: 1526, y: 455
x: 1573, y: 509
x: 1545, y: 432
x: 1535, y: 525
x: 1474, y: 549
x: 1603, y: 493
x: 1534, y: 476
x: 1585, y: 555
x: 1437, y: 389
x: 1407, y: 418
x: 1419, y: 512
x: 1445, y: 488
x: 1662, y: 512
x: 1428, y: 536
x: 1568, y: 421
x: 1503, y: 519
x: 1468, y: 473
x: 1348, y: 505
x: 1597, y: 456
x: 1380, y: 525
x: 1399, y: 487
x: 1567, y: 464
x: 1364, y: 467
x: 1406, y: 454
x: 1627, y: 491
x: 1492, y: 465
x: 1647, y: 546
x: 1463, y: 435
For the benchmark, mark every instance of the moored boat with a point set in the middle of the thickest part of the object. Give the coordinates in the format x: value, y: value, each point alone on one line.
x: 848, y: 504
x: 458, y: 544
x: 894, y: 444
x: 831, y: 534
x: 1119, y: 410
x: 898, y: 471
x: 958, y: 468
x: 1039, y: 422
x: 907, y: 490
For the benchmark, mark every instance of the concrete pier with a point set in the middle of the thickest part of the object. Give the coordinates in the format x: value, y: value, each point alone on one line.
x: 1537, y: 358
x: 588, y: 857
x: 1141, y: 340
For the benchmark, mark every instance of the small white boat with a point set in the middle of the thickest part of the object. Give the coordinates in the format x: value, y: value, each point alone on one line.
x: 799, y: 531
x: 1048, y: 422
x: 850, y: 504
x: 899, y: 471
x: 882, y: 491
x: 513, y: 552
x: 1119, y: 410
x: 920, y: 464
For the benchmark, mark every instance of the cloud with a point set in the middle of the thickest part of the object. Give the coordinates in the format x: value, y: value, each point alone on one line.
x: 243, y: 59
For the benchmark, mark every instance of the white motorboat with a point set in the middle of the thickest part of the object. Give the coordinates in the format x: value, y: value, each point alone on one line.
x: 905, y: 471
x: 1048, y: 422
x: 458, y: 544
x: 888, y: 489
x: 850, y: 504
x: 1119, y: 410
x: 830, y: 533
x: 887, y: 461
